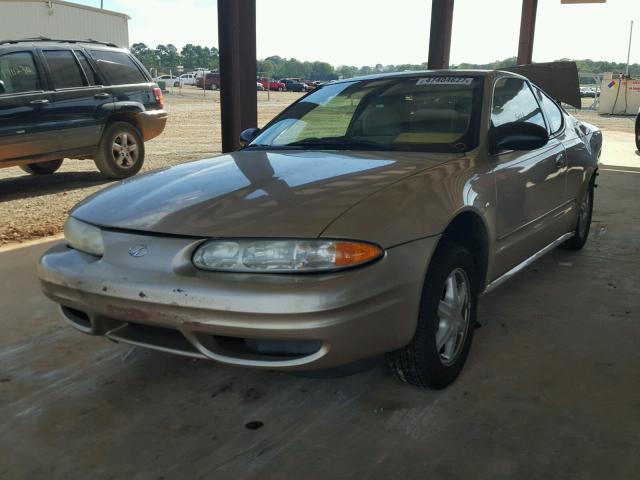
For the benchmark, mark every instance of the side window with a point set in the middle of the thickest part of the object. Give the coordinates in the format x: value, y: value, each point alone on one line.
x: 551, y: 110
x: 513, y: 101
x: 88, y: 69
x: 18, y: 73
x: 118, y: 67
x: 64, y: 69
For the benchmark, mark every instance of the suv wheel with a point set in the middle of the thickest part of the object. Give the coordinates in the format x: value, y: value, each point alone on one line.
x: 446, y: 322
x: 121, y: 151
x: 42, y: 168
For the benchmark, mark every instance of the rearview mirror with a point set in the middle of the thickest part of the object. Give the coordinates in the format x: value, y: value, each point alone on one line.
x: 247, y: 135
x: 2, y: 87
x: 517, y: 136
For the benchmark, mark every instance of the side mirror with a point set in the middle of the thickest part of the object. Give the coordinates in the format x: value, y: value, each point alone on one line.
x: 2, y: 87
x: 517, y: 136
x: 247, y: 135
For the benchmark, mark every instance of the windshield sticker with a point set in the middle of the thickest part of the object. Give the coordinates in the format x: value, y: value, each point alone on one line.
x: 445, y: 81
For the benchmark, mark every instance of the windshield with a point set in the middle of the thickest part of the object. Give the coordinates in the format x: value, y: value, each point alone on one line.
x: 428, y: 113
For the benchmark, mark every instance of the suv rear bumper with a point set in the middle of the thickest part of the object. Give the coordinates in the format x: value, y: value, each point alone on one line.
x: 152, y: 123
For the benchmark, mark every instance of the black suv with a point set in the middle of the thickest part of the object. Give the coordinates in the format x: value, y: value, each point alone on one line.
x: 70, y: 99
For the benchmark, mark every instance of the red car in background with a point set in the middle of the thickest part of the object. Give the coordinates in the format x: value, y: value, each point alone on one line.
x: 272, y: 85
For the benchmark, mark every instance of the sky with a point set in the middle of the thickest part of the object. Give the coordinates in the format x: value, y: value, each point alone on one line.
x: 367, y: 32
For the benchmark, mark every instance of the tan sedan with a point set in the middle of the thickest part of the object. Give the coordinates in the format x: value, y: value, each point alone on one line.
x: 367, y: 218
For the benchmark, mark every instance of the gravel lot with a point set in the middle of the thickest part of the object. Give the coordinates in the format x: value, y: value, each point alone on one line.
x: 34, y: 207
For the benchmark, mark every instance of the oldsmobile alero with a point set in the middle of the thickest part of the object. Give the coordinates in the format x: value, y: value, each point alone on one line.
x: 366, y: 218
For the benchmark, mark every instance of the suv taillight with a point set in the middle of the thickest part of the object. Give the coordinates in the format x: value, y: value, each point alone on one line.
x: 157, y: 92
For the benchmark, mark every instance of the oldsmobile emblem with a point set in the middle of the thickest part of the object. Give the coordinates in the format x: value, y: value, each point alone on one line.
x: 138, y: 251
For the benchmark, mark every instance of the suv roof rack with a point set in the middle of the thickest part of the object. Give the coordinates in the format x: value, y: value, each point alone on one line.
x: 45, y: 39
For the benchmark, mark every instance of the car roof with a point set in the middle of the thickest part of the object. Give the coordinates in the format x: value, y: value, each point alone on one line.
x: 432, y: 73
x: 50, y: 42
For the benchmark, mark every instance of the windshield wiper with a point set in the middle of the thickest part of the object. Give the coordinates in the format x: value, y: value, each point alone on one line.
x: 339, y: 143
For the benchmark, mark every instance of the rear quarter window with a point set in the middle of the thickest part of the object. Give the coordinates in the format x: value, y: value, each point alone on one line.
x: 118, y: 68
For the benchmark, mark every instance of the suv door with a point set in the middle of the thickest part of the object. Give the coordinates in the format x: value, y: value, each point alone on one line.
x: 27, y: 127
x: 80, y: 99
x: 530, y: 185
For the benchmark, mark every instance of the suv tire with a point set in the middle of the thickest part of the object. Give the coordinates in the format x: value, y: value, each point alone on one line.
x: 121, y: 151
x: 42, y: 168
x: 446, y: 322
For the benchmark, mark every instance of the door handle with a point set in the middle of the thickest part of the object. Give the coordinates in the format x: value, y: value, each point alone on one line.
x: 43, y: 101
x: 102, y: 95
x: 560, y: 160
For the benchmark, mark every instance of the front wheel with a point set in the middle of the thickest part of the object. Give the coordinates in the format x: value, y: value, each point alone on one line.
x: 446, y: 321
x: 583, y: 225
x: 42, y: 168
x: 121, y: 151
x: 638, y: 132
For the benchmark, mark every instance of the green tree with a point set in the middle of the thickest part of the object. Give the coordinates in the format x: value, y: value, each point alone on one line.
x: 144, y: 54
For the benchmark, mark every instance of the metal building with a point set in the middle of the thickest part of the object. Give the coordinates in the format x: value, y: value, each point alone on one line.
x: 60, y: 19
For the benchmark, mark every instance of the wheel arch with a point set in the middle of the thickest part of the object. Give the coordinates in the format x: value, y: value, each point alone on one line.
x: 469, y: 229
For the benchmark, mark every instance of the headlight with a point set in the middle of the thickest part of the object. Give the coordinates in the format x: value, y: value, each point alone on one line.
x: 283, y: 256
x: 83, y: 237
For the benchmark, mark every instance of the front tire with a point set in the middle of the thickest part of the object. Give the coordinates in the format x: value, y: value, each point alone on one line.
x: 121, y: 151
x: 581, y: 233
x: 42, y: 168
x: 446, y: 322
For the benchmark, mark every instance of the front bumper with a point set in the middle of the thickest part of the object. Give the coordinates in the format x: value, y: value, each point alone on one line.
x: 284, y: 321
x: 152, y: 123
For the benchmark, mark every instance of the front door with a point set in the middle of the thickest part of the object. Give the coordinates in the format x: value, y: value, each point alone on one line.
x: 530, y: 185
x: 27, y: 124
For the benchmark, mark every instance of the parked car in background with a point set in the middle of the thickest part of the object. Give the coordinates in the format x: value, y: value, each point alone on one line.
x: 381, y: 208
x: 272, y: 85
x: 294, y: 85
x: 209, y: 81
x: 68, y: 99
x: 259, y: 87
x: 168, y: 79
x: 187, y: 79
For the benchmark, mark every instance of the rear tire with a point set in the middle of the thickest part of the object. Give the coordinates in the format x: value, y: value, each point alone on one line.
x: 43, y: 168
x: 638, y: 132
x: 121, y: 151
x: 446, y: 322
x: 585, y: 212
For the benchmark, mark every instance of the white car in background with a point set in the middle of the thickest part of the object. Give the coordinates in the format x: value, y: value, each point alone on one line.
x: 188, y: 79
x: 169, y: 79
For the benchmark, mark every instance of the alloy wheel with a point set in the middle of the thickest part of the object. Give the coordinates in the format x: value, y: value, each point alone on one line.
x: 125, y: 150
x: 454, y: 312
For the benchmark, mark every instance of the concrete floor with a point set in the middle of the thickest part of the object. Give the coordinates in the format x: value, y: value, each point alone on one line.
x: 551, y: 388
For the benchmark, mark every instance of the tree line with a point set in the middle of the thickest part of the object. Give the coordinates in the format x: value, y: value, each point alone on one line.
x: 165, y: 57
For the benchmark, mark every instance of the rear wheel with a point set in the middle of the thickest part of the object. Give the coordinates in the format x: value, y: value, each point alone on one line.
x: 585, y: 212
x: 43, y: 168
x: 446, y: 321
x: 638, y: 132
x: 121, y: 151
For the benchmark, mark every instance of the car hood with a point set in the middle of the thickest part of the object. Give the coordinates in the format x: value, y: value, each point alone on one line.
x: 251, y: 193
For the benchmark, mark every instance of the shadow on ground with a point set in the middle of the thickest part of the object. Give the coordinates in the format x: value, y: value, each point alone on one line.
x: 29, y: 186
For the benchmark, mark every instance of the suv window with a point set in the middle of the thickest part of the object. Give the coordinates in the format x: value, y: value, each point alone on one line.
x: 91, y: 75
x: 551, y: 110
x: 513, y: 101
x: 118, y: 67
x: 18, y: 72
x: 64, y: 69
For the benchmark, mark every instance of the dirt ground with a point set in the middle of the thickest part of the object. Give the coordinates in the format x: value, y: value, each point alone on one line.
x: 35, y: 207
